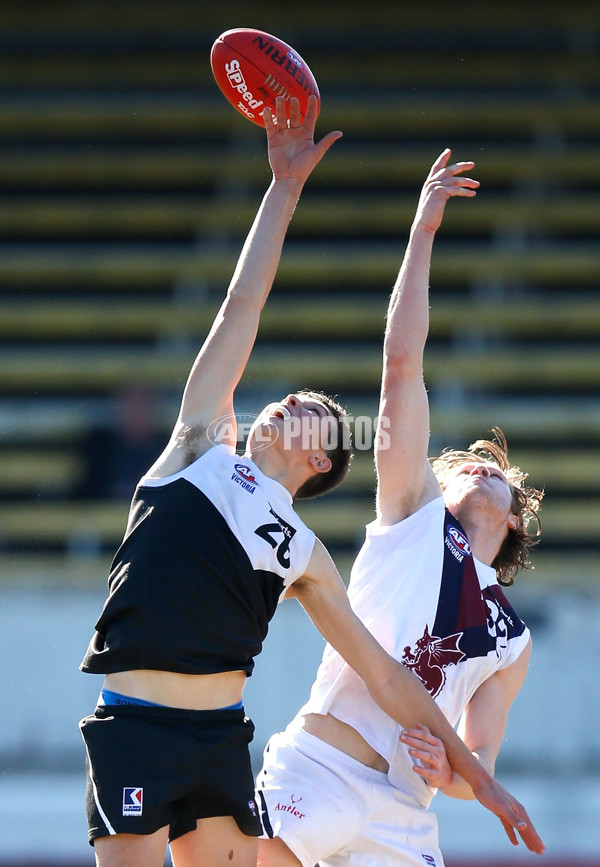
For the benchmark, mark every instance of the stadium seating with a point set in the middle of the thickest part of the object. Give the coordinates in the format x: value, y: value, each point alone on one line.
x: 127, y: 185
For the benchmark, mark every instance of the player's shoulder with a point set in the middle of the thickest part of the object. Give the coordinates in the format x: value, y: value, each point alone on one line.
x: 180, y: 456
x: 426, y: 511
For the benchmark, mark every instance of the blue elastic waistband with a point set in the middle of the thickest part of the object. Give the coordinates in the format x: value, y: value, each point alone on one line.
x: 108, y: 697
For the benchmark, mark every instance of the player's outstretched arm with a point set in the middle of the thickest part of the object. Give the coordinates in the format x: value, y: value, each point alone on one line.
x: 397, y: 690
x: 405, y: 480
x: 221, y: 362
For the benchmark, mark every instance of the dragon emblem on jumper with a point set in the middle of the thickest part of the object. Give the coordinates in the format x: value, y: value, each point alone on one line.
x: 431, y: 657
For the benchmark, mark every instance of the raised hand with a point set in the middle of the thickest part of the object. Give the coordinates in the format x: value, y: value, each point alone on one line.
x: 443, y: 182
x: 292, y: 150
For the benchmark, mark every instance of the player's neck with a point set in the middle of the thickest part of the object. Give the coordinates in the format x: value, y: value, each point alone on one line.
x: 485, y: 540
x: 278, y: 466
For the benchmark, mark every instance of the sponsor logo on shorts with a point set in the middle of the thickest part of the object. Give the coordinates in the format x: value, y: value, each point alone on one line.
x: 458, y: 544
x: 244, y: 477
x: 429, y: 859
x: 253, y: 807
x: 291, y: 807
x: 132, y: 801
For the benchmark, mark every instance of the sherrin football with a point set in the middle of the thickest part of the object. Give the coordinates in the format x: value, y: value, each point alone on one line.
x: 253, y: 68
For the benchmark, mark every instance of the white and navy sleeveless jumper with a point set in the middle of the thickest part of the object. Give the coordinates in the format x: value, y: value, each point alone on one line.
x: 417, y: 587
x: 207, y: 554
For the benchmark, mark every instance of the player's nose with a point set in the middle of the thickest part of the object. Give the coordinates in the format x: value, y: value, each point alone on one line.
x: 480, y: 470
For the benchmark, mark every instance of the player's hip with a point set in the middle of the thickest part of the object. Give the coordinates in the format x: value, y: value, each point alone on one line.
x: 326, y: 807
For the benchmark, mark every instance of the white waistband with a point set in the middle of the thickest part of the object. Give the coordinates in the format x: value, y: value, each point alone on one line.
x: 315, y: 748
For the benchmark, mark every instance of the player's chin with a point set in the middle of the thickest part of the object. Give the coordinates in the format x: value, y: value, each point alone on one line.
x: 264, y: 432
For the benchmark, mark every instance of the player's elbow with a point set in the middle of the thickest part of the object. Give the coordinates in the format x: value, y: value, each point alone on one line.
x: 245, y: 297
x: 402, y: 360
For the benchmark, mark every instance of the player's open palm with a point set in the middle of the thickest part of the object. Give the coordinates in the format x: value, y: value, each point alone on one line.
x: 443, y: 182
x: 292, y: 150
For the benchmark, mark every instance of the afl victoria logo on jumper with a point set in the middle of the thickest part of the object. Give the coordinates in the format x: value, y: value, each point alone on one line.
x: 458, y: 543
x: 132, y: 801
x: 244, y: 477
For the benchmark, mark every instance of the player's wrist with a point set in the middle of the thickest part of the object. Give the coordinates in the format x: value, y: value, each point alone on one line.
x: 473, y: 772
x: 287, y: 187
x: 480, y: 779
x: 288, y: 181
x: 423, y: 229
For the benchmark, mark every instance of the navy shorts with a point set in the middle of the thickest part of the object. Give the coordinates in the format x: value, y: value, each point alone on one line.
x: 148, y: 767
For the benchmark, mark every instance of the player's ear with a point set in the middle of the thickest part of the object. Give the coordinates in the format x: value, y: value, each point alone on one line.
x: 320, y: 463
x: 513, y: 522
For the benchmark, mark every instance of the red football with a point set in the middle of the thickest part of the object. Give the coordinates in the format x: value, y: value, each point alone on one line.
x: 253, y: 68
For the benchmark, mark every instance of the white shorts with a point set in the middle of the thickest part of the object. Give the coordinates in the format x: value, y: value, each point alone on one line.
x: 332, y: 810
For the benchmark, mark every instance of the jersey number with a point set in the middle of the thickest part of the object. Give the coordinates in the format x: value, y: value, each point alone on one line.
x: 271, y: 533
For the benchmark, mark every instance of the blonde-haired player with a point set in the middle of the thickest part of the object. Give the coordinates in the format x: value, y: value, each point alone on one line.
x: 344, y: 783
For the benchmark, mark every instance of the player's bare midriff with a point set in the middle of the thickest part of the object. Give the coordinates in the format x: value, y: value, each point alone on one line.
x: 187, y: 691
x: 343, y: 737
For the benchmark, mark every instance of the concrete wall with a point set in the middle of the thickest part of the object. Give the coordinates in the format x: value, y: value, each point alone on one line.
x: 550, y: 758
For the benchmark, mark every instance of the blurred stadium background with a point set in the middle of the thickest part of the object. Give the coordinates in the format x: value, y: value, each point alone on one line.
x: 127, y: 185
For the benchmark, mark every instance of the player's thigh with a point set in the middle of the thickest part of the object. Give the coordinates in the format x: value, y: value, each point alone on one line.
x: 216, y: 842
x: 274, y: 853
x: 132, y: 850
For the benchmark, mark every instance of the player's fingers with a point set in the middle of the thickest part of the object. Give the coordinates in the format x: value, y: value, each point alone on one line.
x: 441, y: 161
x: 463, y: 191
x: 280, y: 113
x: 449, y: 171
x: 312, y: 110
x: 450, y: 184
x: 428, y: 759
x: 510, y: 832
x: 415, y: 736
x: 532, y: 840
x: 425, y: 773
x: 412, y: 738
x: 460, y: 167
x: 455, y: 190
x: 459, y: 179
x: 456, y: 180
x: 323, y: 146
x: 515, y: 819
x: 525, y: 827
x: 295, y: 116
x: 268, y: 121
